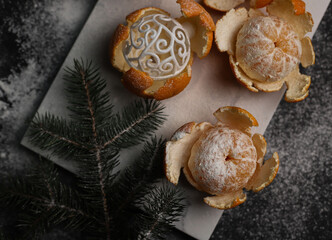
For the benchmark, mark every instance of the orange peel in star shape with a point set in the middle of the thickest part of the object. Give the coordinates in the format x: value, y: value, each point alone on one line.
x: 265, y: 50
x: 221, y: 159
x: 155, y: 52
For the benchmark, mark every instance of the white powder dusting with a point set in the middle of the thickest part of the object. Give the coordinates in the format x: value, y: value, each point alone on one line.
x: 43, y: 33
x: 267, y: 48
x: 207, y: 162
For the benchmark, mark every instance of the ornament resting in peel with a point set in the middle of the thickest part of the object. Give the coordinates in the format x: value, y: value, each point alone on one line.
x: 221, y: 159
x: 155, y: 51
x: 159, y: 46
x: 265, y: 50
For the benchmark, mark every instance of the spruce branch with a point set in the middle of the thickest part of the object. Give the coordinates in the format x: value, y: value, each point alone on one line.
x: 153, y: 218
x: 105, y: 203
x: 137, y: 180
x: 161, y: 208
x: 123, y: 130
x: 60, y: 137
x: 45, y: 201
x: 2, y: 234
x: 88, y: 101
x: 34, y: 227
x: 134, y: 124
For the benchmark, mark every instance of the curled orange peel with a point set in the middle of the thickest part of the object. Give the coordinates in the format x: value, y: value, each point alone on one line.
x: 180, y: 148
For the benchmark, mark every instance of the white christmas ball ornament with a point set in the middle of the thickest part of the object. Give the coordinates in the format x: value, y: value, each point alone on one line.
x: 159, y: 46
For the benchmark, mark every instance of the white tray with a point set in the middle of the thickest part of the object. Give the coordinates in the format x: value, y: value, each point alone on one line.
x: 212, y: 86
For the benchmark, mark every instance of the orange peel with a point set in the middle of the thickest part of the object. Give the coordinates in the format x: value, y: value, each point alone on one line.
x: 236, y: 118
x: 264, y: 174
x: 284, y: 9
x: 251, y: 84
x: 178, y: 148
x: 227, y: 200
x: 200, y: 19
x: 225, y: 36
x: 308, y: 53
x: 260, y: 145
x: 298, y: 86
x: 142, y: 82
x: 299, y: 7
x: 259, y: 3
x: 223, y: 5
x: 221, y: 159
x: 264, y: 58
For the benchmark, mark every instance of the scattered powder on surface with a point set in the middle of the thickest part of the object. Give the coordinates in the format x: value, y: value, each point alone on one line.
x: 297, y: 205
x: 34, y: 40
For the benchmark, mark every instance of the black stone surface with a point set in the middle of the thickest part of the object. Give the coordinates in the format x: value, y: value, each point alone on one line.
x: 35, y: 37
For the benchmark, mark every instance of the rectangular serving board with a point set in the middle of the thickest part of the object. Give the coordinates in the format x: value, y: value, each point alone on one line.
x: 212, y: 86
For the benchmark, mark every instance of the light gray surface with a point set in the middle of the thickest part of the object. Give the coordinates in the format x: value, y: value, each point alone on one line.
x: 305, y: 148
x: 211, y: 87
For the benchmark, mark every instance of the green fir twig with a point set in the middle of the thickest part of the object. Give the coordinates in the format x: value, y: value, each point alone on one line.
x: 103, y: 203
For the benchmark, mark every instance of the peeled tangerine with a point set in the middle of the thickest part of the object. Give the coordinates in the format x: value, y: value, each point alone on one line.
x: 221, y: 159
x: 265, y: 50
x: 155, y: 51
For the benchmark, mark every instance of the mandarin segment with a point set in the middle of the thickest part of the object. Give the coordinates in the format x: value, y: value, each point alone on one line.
x: 222, y: 160
x: 267, y: 49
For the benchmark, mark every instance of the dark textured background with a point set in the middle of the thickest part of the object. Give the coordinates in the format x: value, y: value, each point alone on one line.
x: 35, y: 37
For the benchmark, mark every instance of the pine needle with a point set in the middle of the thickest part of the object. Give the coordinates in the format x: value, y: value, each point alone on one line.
x: 103, y: 203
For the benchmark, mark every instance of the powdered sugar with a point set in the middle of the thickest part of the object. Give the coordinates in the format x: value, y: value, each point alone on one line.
x: 35, y: 37
x: 222, y: 160
x: 267, y: 49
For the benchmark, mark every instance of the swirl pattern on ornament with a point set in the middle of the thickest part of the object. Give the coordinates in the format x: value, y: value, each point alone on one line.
x: 158, y: 45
